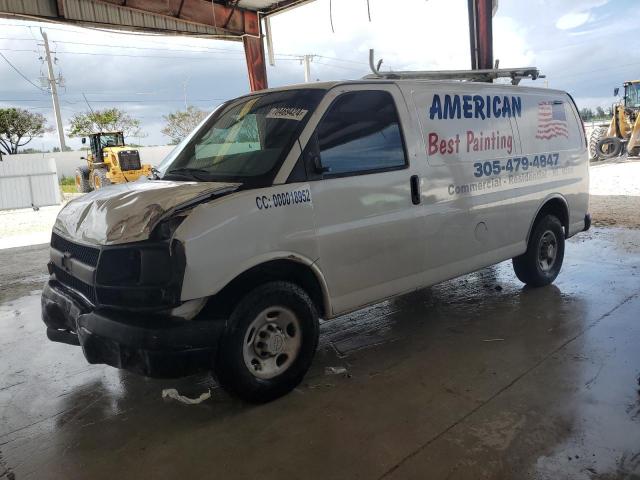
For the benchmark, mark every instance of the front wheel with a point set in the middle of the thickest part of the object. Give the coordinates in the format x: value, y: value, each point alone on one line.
x: 269, y: 344
x: 99, y: 178
x: 541, y: 263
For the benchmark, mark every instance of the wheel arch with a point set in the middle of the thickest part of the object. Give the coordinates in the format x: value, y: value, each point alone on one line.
x: 291, y: 268
x: 554, y: 204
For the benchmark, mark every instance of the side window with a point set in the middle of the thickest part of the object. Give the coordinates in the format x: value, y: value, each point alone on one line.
x: 361, y: 133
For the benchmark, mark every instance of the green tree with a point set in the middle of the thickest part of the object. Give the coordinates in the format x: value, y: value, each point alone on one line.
x: 600, y: 112
x: 18, y: 127
x: 107, y: 120
x: 586, y: 114
x: 179, y: 124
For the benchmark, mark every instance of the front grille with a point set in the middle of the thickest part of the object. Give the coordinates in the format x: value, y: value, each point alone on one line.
x: 87, y: 255
x: 73, y: 283
x: 129, y: 160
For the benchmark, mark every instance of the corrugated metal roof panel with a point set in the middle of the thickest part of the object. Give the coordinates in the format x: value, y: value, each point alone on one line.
x: 107, y: 14
x: 117, y: 16
x: 46, y: 8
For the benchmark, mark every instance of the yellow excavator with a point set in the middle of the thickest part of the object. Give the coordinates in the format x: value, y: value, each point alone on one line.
x: 109, y: 161
x: 623, y: 133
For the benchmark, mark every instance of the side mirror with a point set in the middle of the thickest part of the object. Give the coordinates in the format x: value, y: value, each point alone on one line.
x: 82, y: 158
x: 312, y: 153
x: 616, y: 91
x: 84, y: 140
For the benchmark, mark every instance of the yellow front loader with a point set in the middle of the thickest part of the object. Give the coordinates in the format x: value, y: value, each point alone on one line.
x: 109, y: 161
x: 623, y: 133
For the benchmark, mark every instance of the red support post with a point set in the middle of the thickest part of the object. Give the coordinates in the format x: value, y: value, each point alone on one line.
x: 256, y: 67
x: 481, y: 33
x: 254, y: 53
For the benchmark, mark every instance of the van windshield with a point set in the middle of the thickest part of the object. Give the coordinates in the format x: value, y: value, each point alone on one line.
x: 246, y: 140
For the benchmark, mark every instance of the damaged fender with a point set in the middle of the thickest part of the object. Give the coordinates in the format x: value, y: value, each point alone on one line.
x: 128, y: 212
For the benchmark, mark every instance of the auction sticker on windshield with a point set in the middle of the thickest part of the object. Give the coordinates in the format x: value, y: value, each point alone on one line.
x: 287, y: 113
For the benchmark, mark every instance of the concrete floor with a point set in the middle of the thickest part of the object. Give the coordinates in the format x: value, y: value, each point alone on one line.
x: 474, y: 378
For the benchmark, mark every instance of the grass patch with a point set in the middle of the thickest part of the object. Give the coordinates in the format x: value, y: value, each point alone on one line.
x: 68, y: 185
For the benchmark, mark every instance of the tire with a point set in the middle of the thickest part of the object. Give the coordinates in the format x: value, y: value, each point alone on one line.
x: 271, y: 338
x: 597, y: 134
x: 99, y: 178
x: 82, y: 180
x: 609, y: 147
x: 538, y: 267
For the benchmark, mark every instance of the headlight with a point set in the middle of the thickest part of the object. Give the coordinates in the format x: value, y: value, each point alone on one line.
x: 134, y: 266
x: 144, y: 275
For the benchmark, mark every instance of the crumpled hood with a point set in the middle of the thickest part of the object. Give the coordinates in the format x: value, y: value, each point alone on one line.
x: 128, y: 212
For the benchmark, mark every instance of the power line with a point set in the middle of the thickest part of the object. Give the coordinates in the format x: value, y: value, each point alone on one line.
x: 333, y: 65
x: 109, y: 54
x: 66, y: 52
x: 196, y: 49
x: 21, y: 74
x: 201, y: 48
x: 102, y: 54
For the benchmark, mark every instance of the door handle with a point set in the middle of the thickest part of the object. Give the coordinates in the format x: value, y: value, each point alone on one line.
x: 416, y: 196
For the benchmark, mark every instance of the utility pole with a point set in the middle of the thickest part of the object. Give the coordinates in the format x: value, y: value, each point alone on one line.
x: 54, y: 92
x: 306, y: 60
x: 184, y: 91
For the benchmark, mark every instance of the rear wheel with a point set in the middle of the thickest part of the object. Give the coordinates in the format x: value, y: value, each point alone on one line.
x: 270, y: 343
x: 609, y: 147
x: 541, y: 263
x: 82, y: 180
x: 99, y: 178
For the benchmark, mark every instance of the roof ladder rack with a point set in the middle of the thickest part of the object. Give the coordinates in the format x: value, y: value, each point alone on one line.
x: 515, y: 74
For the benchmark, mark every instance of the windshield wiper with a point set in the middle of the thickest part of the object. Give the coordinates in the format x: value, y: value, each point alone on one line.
x: 186, y: 172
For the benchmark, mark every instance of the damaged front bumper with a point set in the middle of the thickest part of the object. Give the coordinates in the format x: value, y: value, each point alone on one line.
x: 149, y: 344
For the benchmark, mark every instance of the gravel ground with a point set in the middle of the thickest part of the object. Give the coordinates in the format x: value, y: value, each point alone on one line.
x: 615, y: 193
x: 25, y: 226
x: 618, y: 178
x: 618, y: 210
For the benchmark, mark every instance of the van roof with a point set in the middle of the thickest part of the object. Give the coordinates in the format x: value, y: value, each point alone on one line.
x: 400, y: 82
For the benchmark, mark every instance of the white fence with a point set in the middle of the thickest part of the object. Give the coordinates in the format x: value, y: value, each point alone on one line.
x: 28, y: 182
x: 67, y: 162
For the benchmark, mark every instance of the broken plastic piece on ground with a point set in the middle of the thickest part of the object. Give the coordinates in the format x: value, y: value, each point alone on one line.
x: 335, y: 370
x: 173, y: 394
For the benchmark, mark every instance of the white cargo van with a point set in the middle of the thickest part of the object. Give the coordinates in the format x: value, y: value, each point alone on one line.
x: 312, y: 201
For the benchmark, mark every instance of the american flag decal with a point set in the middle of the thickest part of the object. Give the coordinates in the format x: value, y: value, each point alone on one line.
x: 552, y: 121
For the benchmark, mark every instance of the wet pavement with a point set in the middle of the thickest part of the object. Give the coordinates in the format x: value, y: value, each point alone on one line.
x: 474, y: 378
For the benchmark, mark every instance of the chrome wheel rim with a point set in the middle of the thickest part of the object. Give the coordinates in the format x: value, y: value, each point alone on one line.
x: 547, y: 251
x: 272, y: 342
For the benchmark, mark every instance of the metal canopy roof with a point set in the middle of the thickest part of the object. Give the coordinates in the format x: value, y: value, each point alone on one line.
x: 229, y: 19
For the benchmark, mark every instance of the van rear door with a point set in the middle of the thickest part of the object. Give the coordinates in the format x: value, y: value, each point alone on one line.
x: 554, y: 149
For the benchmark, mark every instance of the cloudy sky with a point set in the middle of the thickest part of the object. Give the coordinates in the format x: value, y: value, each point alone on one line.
x: 586, y: 47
